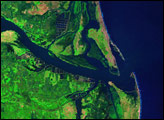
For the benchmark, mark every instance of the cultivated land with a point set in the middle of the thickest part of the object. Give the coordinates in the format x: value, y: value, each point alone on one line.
x: 32, y: 89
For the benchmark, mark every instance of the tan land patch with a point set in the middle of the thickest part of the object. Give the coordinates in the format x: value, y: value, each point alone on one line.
x: 15, y: 20
x: 9, y: 36
x: 69, y: 111
x: 42, y: 8
x: 84, y: 114
x: 39, y: 10
x: 55, y: 4
x: 28, y: 1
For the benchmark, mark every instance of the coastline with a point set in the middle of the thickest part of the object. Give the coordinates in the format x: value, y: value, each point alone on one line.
x: 139, y: 94
x: 104, y: 31
x: 110, y: 42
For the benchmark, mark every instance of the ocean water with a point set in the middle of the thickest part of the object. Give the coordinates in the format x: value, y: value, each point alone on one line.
x: 137, y: 29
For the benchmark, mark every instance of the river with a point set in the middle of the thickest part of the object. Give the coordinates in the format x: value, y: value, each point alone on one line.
x: 124, y: 81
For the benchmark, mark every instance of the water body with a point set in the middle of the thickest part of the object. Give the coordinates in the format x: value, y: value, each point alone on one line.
x: 137, y: 29
x: 124, y: 81
x: 42, y: 53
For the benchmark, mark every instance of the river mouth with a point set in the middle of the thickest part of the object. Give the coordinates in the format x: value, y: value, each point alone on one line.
x: 122, y: 82
x: 101, y: 74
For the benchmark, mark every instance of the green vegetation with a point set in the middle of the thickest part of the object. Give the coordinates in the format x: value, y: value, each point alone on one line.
x: 66, y: 5
x: 96, y: 53
x: 77, y: 61
x: 25, y: 91
x: 85, y: 15
x: 77, y: 7
x: 92, y: 10
x: 102, y: 43
x: 127, y: 105
x: 32, y: 89
x: 36, y: 2
x: 78, y: 44
x: 18, y: 14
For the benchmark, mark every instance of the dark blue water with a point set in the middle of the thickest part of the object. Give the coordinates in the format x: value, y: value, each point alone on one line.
x: 140, y: 40
x: 42, y: 53
x: 137, y: 29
